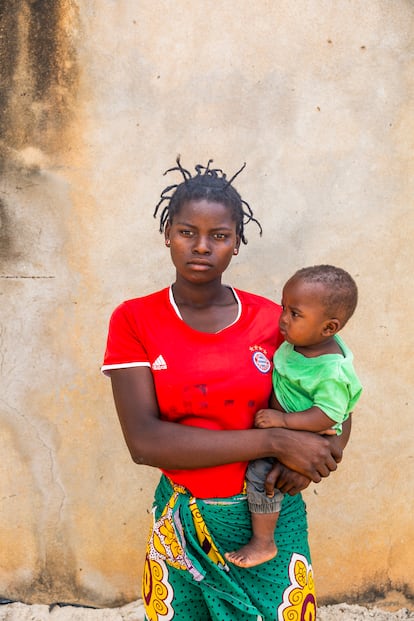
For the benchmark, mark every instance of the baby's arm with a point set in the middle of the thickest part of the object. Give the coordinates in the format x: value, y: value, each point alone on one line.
x: 313, y: 419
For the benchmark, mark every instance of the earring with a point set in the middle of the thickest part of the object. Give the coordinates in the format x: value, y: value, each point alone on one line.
x: 167, y: 242
x: 236, y: 251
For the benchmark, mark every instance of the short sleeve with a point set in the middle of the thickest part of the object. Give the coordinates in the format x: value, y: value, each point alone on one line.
x: 332, y: 397
x: 123, y: 347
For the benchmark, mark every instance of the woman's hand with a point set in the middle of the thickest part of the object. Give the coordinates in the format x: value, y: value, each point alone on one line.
x: 291, y: 482
x: 305, y: 452
x: 285, y: 480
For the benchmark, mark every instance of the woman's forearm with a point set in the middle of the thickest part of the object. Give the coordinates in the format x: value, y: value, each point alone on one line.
x: 175, y: 446
x: 169, y: 445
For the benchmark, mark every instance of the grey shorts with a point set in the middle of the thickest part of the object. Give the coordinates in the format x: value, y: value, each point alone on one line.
x: 256, y: 495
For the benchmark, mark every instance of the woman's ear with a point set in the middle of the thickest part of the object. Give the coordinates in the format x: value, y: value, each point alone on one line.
x: 331, y: 327
x: 167, y: 234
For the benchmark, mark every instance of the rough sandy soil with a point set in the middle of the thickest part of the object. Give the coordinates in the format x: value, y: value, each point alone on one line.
x: 393, y: 608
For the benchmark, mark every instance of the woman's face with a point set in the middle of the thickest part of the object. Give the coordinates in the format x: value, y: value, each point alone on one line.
x: 202, y: 240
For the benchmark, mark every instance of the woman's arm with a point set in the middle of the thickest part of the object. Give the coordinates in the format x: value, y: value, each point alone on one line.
x: 162, y: 444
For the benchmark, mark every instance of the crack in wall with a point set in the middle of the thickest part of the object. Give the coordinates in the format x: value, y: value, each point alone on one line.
x: 18, y: 277
x: 34, y: 441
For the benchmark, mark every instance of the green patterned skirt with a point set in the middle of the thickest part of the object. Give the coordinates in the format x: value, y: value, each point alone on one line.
x: 186, y: 577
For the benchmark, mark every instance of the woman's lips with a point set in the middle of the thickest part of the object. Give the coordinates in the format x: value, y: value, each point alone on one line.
x: 199, y: 265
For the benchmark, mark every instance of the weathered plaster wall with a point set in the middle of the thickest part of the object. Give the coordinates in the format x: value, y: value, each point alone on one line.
x: 96, y: 100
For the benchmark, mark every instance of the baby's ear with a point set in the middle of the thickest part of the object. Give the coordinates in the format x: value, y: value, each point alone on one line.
x: 331, y: 327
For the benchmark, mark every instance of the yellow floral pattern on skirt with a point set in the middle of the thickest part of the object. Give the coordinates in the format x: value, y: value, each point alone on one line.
x: 204, y: 538
x: 180, y: 541
x: 164, y: 548
x: 299, y: 601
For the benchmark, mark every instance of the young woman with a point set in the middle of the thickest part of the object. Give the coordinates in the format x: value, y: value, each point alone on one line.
x: 190, y: 366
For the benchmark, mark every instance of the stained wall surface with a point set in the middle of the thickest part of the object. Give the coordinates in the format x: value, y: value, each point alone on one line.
x: 96, y: 101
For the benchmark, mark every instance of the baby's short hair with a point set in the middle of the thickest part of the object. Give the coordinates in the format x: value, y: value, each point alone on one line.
x: 341, y: 292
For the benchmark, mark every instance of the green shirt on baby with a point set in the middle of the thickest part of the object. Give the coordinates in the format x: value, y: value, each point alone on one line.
x: 328, y: 382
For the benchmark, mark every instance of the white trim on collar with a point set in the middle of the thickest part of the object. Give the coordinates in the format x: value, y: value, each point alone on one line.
x: 236, y: 297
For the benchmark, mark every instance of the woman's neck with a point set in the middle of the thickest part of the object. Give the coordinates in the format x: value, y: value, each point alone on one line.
x: 207, y: 308
x: 202, y: 296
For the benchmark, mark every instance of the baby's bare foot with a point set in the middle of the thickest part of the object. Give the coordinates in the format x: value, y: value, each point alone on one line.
x: 252, y: 554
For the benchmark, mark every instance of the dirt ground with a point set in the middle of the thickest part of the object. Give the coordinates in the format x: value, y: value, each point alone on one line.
x: 393, y: 608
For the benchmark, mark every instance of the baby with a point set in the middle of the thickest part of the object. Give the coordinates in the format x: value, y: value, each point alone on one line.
x: 315, y: 386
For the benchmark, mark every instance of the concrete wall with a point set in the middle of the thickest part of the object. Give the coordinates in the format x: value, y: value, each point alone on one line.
x: 97, y: 99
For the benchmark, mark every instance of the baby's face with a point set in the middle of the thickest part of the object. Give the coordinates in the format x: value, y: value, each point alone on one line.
x: 304, y: 316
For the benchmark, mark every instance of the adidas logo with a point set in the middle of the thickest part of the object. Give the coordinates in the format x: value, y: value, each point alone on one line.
x: 159, y: 364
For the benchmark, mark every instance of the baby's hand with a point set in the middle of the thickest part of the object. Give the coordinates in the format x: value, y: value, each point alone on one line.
x: 266, y: 419
x: 328, y: 432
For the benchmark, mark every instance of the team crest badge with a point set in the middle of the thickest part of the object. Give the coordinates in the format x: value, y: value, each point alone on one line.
x: 260, y: 360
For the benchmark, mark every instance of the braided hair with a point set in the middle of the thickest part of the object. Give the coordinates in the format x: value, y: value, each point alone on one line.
x: 209, y: 184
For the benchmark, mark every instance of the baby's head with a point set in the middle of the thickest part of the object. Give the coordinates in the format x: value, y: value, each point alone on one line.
x: 317, y: 302
x: 336, y: 289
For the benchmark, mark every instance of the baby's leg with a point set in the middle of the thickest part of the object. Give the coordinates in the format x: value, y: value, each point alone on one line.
x: 264, y: 513
x: 261, y: 547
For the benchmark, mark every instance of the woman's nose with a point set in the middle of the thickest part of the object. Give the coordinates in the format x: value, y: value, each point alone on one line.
x: 202, y: 245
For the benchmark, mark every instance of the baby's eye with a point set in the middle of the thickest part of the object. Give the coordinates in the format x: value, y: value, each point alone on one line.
x: 294, y: 314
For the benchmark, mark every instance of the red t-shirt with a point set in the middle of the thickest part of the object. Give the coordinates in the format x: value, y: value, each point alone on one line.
x: 216, y: 381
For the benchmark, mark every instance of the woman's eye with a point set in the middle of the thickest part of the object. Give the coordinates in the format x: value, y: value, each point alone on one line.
x: 186, y: 233
x: 220, y: 236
